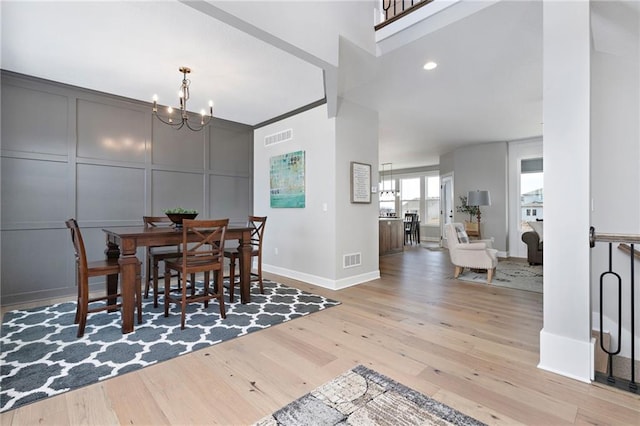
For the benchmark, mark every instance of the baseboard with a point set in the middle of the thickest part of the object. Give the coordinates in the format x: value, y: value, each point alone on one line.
x: 322, y: 281
x: 568, y: 357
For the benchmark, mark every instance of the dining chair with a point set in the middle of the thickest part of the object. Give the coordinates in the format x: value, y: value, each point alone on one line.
x: 202, y: 254
x: 157, y: 254
x: 86, y: 270
x: 257, y: 224
x: 411, y: 228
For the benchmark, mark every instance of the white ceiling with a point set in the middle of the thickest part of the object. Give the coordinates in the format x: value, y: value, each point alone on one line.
x: 487, y: 87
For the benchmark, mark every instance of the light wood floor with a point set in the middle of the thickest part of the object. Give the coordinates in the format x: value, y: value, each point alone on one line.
x: 471, y: 346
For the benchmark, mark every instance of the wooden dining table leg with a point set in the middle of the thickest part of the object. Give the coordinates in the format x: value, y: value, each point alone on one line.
x: 128, y: 272
x: 244, y: 251
x: 112, y: 252
x: 129, y: 263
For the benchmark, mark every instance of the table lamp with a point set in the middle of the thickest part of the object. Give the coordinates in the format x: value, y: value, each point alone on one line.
x: 478, y: 198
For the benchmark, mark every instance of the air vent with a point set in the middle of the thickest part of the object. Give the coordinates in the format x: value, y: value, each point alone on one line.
x: 282, y: 136
x: 351, y: 260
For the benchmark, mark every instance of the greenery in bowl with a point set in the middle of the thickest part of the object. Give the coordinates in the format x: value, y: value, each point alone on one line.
x: 178, y: 214
x: 180, y: 210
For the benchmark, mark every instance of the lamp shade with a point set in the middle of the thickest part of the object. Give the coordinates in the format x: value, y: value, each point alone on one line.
x: 478, y: 198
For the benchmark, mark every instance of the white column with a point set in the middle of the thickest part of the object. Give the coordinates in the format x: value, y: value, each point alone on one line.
x: 565, y: 342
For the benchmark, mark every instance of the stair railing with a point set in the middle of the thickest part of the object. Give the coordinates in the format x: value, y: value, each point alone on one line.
x: 395, y: 9
x: 626, y: 243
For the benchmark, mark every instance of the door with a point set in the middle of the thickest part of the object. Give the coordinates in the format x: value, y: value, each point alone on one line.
x: 446, y: 188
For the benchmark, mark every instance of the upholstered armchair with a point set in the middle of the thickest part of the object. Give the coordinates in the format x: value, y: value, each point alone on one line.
x: 533, y: 240
x: 477, y: 254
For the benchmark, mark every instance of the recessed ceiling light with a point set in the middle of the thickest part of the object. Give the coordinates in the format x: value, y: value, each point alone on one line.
x: 430, y: 65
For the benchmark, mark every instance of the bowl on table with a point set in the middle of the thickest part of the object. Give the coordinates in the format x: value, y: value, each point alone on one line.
x: 177, y: 218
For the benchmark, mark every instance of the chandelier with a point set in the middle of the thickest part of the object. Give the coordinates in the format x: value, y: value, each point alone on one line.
x: 183, y: 94
x: 387, y: 171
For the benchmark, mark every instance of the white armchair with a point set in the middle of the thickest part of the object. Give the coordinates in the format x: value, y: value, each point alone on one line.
x: 477, y: 254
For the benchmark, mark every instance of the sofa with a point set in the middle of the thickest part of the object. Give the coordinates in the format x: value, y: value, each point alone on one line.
x: 534, y: 243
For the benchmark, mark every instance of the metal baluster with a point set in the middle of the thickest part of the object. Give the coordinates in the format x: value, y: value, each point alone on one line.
x: 632, y: 384
x: 611, y: 379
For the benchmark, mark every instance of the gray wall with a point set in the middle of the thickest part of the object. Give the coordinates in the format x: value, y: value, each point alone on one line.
x: 484, y: 167
x: 70, y: 152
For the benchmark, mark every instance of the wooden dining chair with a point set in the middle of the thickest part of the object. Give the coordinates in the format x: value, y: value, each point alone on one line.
x: 257, y: 223
x: 157, y: 254
x: 86, y: 270
x: 204, y: 255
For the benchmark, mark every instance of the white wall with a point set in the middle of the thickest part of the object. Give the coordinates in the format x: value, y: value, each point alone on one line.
x: 565, y: 341
x: 357, y: 224
x: 311, y: 241
x: 615, y: 162
x: 313, y: 26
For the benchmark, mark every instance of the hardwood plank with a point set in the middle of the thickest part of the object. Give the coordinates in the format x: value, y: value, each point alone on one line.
x: 473, y: 347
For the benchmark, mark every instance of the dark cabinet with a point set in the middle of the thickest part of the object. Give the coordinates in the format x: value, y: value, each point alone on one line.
x: 391, y: 236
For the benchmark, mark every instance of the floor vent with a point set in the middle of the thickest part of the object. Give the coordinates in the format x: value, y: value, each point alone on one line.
x: 282, y: 136
x: 351, y: 260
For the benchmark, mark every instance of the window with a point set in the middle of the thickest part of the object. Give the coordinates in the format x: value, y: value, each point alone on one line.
x: 387, y: 199
x: 531, y: 192
x: 418, y: 194
x: 410, y: 195
x: 432, y: 200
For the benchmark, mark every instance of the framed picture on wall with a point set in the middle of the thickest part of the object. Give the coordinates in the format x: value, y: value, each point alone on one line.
x: 286, y: 177
x: 360, y: 183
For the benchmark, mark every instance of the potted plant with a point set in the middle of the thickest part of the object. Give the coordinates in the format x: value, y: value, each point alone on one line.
x: 470, y: 227
x: 178, y: 214
x: 464, y: 208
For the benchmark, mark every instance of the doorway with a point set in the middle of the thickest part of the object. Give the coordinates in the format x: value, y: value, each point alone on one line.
x: 446, y: 214
x: 525, y: 191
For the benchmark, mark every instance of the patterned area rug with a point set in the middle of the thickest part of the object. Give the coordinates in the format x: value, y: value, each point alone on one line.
x: 512, y: 274
x: 364, y: 397
x: 40, y: 355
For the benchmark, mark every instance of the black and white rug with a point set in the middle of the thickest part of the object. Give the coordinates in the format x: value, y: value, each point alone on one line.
x: 364, y: 397
x: 40, y: 355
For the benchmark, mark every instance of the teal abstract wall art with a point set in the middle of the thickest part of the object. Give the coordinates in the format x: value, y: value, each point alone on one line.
x: 286, y: 178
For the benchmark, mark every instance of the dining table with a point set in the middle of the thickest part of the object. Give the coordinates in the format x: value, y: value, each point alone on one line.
x: 123, y: 242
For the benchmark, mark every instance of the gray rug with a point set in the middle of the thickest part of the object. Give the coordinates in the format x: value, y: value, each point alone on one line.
x: 364, y: 397
x: 40, y: 355
x: 509, y: 273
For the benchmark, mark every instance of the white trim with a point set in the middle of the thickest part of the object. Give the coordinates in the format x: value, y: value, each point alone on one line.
x: 567, y: 357
x: 321, y: 281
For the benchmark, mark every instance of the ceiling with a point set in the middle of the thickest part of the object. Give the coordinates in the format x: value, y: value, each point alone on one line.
x: 487, y: 86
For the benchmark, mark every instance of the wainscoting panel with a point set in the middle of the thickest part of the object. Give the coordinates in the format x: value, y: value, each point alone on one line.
x: 110, y: 132
x: 227, y: 199
x: 37, y: 264
x: 73, y: 152
x: 108, y: 194
x: 34, y: 120
x: 232, y: 147
x: 177, y: 189
x: 34, y: 193
x: 178, y: 148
